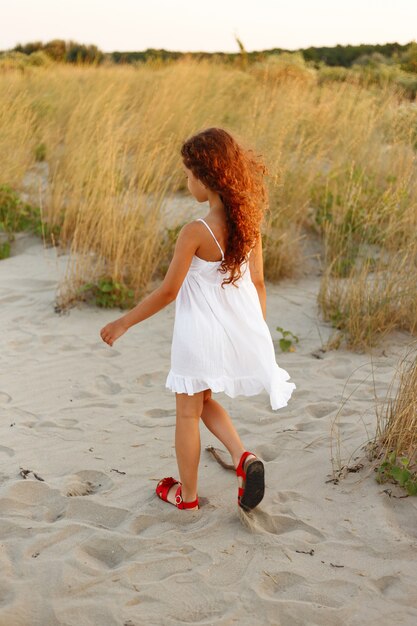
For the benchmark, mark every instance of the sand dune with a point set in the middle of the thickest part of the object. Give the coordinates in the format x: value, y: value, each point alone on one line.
x: 87, y: 430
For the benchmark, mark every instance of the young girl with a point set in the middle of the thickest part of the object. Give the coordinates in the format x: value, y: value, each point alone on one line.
x: 221, y: 341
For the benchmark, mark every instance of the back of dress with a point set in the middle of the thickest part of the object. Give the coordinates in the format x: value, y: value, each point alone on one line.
x: 221, y: 340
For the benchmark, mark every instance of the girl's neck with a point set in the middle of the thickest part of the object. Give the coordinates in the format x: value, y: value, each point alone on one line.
x: 216, y: 205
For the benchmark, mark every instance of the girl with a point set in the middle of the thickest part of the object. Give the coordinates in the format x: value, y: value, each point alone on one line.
x: 221, y: 341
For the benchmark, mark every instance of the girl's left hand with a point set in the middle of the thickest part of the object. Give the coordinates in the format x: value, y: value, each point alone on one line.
x: 113, y: 331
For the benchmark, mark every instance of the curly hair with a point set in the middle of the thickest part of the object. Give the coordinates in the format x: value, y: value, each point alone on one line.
x: 237, y: 175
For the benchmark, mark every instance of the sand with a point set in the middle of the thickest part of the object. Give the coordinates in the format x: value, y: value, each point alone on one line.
x: 87, y: 430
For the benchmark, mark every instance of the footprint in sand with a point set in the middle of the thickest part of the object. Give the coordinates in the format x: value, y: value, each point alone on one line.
x: 105, y: 385
x: 154, y: 417
x: 281, y: 525
x: 162, y: 567
x: 288, y: 496
x: 7, y: 451
x: 94, y: 514
x: 141, y: 523
x: 150, y: 379
x: 82, y: 395
x: 321, y: 409
x: 4, y: 397
x: 338, y: 370
x: 21, y: 417
x: 283, y: 582
x: 109, y: 552
x: 159, y: 413
x: 268, y: 452
x: 34, y: 500
x: 385, y: 583
x: 86, y: 482
x: 395, y: 589
x: 288, y: 585
x: 68, y: 424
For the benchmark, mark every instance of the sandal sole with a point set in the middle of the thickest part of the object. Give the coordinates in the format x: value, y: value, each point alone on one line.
x: 254, y: 485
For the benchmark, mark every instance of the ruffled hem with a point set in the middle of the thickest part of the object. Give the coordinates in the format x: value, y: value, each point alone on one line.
x: 279, y: 393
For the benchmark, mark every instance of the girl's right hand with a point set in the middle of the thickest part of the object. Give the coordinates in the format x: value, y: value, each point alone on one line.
x: 112, y: 331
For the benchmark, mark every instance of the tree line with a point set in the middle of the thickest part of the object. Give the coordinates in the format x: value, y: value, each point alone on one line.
x: 336, y: 56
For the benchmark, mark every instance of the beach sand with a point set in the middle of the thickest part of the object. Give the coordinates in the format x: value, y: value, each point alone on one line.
x: 87, y: 430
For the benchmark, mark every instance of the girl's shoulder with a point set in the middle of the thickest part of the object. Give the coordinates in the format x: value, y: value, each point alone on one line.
x: 190, y: 227
x: 189, y: 236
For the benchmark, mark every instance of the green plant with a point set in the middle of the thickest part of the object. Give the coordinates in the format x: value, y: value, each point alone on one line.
x: 287, y: 341
x: 16, y: 215
x: 4, y: 250
x: 108, y: 293
x: 47, y: 231
x: 398, y: 472
x: 40, y: 152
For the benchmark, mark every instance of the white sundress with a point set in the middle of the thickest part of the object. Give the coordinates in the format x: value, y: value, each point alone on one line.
x: 221, y: 340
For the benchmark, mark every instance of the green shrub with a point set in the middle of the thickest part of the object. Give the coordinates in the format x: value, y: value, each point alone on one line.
x: 17, y: 216
x: 397, y: 471
x: 4, y: 250
x: 108, y: 293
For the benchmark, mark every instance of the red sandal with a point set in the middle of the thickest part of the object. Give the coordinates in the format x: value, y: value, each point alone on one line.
x: 253, y: 491
x: 162, y: 490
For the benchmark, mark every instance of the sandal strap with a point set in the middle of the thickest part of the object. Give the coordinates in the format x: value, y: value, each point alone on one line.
x: 162, y: 490
x: 179, y: 502
x: 239, y: 469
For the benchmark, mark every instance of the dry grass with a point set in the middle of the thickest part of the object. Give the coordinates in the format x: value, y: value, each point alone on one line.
x: 376, y: 297
x: 341, y: 159
x: 390, y: 454
x: 17, y: 122
x: 397, y: 420
x: 393, y: 451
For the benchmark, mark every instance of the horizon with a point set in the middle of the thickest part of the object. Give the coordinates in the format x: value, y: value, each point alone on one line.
x: 92, y: 43
x: 133, y: 25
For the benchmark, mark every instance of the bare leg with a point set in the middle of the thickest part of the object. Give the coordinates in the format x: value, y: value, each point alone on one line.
x: 187, y: 438
x: 219, y: 422
x: 187, y: 444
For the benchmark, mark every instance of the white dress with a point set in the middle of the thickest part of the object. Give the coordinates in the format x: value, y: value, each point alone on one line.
x: 221, y: 340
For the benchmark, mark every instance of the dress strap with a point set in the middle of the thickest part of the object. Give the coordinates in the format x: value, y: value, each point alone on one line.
x: 200, y: 219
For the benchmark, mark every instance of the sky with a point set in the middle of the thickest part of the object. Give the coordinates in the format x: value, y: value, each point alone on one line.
x: 209, y: 25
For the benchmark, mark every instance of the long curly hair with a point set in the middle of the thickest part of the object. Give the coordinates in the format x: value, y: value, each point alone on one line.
x: 237, y: 175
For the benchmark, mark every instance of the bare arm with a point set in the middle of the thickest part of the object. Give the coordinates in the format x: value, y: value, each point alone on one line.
x: 256, y: 266
x: 186, y: 245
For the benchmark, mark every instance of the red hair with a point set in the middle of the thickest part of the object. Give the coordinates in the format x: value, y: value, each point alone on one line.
x: 237, y: 175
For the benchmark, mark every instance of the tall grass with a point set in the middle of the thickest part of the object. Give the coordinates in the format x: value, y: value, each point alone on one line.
x: 376, y: 297
x: 17, y: 123
x: 397, y: 424
x: 341, y: 159
x: 395, y: 442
